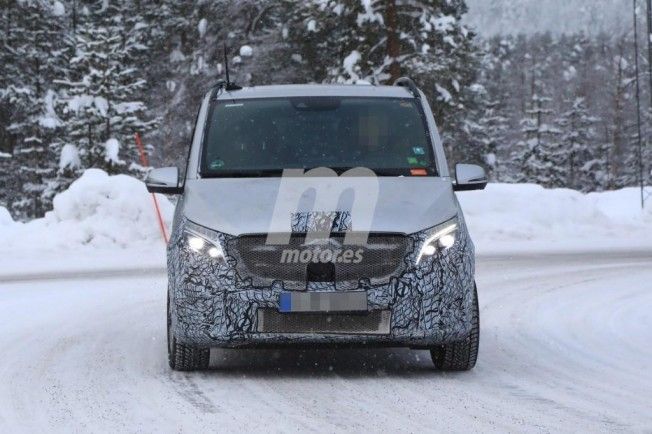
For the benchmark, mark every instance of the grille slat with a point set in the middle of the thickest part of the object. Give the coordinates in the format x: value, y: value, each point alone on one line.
x: 376, y: 322
x: 382, y: 257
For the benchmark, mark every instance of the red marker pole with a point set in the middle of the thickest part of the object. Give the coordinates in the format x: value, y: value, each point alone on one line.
x: 145, y: 163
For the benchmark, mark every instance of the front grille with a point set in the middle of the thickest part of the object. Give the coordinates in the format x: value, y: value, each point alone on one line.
x: 382, y: 256
x: 375, y: 322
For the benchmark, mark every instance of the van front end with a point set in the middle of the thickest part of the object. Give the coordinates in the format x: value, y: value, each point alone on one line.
x: 228, y: 291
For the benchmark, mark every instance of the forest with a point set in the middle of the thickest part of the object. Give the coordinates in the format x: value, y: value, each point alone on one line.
x: 80, y: 77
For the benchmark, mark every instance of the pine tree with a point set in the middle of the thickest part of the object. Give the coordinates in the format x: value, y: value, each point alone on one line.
x: 540, y: 155
x: 497, y: 107
x: 623, y: 171
x: 491, y: 134
x: 102, y: 94
x: 33, y: 56
x: 585, y: 152
x: 7, y: 75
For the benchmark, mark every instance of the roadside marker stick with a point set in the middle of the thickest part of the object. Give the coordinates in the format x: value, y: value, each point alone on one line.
x: 145, y: 163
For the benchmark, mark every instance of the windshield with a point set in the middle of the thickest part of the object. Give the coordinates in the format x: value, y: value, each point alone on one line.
x: 261, y: 137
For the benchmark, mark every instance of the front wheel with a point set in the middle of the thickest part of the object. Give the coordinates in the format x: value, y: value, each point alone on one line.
x: 460, y: 356
x: 184, y: 357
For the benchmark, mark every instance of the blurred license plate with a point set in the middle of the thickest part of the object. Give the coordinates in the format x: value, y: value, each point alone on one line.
x: 323, y: 302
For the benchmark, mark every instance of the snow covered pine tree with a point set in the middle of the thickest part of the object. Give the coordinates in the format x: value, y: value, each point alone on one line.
x: 586, y: 163
x: 32, y: 54
x: 102, y: 94
x: 541, y: 155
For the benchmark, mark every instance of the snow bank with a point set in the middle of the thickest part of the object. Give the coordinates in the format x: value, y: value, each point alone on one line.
x: 108, y: 222
x: 515, y: 217
x: 97, y: 211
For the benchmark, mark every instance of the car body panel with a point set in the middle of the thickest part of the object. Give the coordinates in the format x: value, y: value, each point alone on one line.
x: 239, y: 206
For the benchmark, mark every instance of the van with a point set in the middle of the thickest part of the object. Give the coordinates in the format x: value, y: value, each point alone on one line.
x: 314, y: 215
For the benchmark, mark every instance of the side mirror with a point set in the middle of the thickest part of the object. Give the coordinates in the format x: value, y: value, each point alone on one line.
x: 164, y: 180
x: 470, y: 177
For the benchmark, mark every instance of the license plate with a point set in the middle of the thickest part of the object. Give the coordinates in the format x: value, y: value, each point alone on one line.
x: 323, y: 302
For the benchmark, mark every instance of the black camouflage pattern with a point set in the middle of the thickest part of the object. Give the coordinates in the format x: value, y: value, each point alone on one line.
x: 211, y: 305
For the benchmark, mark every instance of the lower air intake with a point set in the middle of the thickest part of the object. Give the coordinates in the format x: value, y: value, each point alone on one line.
x: 375, y: 322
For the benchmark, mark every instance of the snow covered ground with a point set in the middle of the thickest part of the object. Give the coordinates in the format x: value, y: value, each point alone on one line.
x: 527, y: 217
x: 564, y: 348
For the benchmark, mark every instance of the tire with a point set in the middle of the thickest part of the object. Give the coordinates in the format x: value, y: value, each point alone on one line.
x: 184, y: 357
x: 460, y: 356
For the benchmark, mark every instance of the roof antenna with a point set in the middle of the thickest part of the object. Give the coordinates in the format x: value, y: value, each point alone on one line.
x: 229, y: 86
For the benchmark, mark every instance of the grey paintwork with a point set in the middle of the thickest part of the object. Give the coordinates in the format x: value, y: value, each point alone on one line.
x: 298, y: 90
x: 239, y: 206
x: 470, y: 174
x: 164, y: 177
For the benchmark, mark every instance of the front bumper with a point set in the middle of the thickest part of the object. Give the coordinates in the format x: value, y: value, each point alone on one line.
x: 429, y: 304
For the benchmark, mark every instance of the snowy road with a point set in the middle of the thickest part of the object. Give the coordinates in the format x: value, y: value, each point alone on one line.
x: 565, y: 345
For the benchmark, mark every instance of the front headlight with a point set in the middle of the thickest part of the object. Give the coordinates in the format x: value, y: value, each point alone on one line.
x: 203, y: 244
x: 442, y: 237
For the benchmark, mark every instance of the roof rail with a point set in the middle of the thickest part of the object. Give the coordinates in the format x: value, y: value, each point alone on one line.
x: 409, y: 83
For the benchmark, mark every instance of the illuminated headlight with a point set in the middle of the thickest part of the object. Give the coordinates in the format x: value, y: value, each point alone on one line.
x: 202, y: 244
x: 442, y: 237
x: 196, y: 242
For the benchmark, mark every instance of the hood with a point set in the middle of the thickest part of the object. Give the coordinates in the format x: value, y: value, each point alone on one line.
x: 240, y: 206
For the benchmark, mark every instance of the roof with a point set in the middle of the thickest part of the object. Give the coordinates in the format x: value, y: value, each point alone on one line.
x: 291, y: 90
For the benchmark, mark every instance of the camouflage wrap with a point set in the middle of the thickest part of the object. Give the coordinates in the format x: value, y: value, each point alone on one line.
x: 211, y: 305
